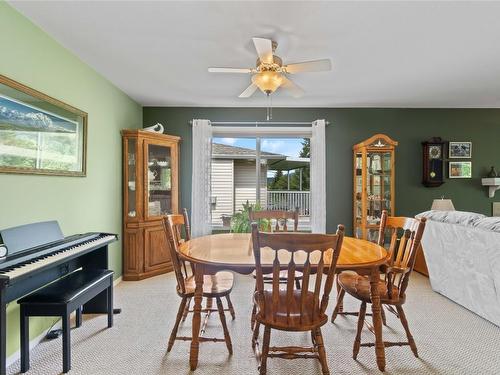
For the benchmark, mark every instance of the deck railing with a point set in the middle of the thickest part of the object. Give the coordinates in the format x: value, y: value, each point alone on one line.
x: 288, y: 200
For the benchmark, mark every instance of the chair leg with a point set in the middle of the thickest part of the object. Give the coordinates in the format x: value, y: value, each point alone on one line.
x: 321, y: 352
x: 254, y: 310
x: 339, y: 288
x: 25, y: 341
x: 78, y: 317
x: 227, y: 338
x: 404, y: 322
x: 110, y: 305
x: 338, y: 306
x: 382, y: 313
x: 230, y: 306
x: 361, y: 321
x: 252, y: 318
x: 173, y: 335
x: 255, y: 335
x: 297, y: 284
x: 265, y: 351
x: 186, y: 309
x: 66, y: 342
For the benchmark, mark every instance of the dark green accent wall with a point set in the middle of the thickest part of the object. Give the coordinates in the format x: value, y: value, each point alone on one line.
x: 351, y: 125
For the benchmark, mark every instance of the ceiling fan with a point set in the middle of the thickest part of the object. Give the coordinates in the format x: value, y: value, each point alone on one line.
x: 269, y: 73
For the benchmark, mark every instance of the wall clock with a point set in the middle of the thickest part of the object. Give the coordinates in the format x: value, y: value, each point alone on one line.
x: 433, y: 162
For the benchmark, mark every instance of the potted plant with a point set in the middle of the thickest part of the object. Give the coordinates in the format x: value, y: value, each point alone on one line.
x: 240, y: 222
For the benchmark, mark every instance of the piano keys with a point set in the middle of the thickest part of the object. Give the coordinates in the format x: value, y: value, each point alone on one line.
x: 38, y: 254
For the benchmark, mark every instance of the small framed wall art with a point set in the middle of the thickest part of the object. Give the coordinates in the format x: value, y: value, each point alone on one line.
x: 460, y: 169
x: 496, y: 209
x: 460, y: 150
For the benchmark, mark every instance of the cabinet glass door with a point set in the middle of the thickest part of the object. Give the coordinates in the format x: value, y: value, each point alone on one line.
x: 374, y: 187
x: 131, y: 177
x: 386, y: 182
x: 358, y: 188
x: 158, y: 180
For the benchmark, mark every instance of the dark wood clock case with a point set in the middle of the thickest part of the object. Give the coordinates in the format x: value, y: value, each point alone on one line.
x: 433, y: 162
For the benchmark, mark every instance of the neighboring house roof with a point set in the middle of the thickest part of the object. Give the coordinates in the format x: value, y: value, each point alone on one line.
x: 223, y: 151
x: 276, y: 161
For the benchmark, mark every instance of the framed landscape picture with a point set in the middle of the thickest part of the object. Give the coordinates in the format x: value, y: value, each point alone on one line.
x: 460, y: 169
x: 461, y: 150
x: 40, y: 134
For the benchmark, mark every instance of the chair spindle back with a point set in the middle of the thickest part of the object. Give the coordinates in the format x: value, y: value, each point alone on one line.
x: 173, y: 228
x: 404, y: 236
x: 278, y: 215
x: 328, y: 246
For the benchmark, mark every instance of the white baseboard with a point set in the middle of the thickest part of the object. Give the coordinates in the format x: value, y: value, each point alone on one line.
x: 117, y: 281
x: 37, y: 340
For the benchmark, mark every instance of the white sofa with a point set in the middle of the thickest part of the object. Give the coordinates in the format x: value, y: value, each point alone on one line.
x: 462, y: 252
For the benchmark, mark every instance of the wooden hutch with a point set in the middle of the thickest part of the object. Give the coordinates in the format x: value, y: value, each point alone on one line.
x: 373, y: 185
x: 150, y: 191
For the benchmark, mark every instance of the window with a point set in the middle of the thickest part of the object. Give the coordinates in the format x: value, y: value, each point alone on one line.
x: 207, y: 204
x: 281, y: 182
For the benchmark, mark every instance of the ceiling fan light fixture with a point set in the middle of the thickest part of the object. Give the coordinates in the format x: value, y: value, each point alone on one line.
x: 267, y: 81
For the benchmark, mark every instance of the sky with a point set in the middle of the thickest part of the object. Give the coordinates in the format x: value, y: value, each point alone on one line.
x: 284, y: 146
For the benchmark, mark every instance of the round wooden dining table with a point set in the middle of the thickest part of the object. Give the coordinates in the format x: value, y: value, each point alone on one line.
x: 233, y: 251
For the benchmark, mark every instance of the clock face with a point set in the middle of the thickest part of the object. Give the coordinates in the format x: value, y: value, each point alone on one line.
x: 434, y: 152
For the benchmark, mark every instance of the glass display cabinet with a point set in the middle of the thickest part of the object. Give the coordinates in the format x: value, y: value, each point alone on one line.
x: 150, y: 191
x: 373, y: 185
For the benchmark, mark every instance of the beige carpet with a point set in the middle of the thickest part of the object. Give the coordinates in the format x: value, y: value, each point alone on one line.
x: 450, y: 339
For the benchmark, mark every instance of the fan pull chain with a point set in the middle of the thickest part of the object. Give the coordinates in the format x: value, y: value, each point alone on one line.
x: 269, y: 109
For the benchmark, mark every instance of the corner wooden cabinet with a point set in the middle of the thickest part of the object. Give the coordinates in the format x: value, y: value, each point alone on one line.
x: 373, y: 184
x: 150, y: 191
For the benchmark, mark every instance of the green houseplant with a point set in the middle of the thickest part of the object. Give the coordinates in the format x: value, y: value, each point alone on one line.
x: 240, y: 222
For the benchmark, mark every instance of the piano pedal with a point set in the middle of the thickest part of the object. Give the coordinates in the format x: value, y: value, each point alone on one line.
x: 54, y: 334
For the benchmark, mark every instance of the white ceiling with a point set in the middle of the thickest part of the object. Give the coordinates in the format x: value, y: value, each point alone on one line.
x: 385, y: 54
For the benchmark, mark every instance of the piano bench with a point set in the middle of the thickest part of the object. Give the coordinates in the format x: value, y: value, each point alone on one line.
x: 61, y: 298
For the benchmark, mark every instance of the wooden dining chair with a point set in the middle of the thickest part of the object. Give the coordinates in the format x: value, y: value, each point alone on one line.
x: 404, y: 239
x: 216, y: 286
x: 289, y: 308
x: 281, y: 217
x: 339, y: 307
x: 264, y: 218
x: 187, y: 237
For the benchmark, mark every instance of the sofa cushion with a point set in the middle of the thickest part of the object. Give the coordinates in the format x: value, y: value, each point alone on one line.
x: 452, y: 217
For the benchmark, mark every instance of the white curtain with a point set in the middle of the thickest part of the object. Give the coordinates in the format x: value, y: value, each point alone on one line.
x: 318, y: 177
x: 200, y: 193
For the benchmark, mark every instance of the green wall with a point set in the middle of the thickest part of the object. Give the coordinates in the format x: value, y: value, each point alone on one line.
x: 349, y: 126
x: 80, y: 204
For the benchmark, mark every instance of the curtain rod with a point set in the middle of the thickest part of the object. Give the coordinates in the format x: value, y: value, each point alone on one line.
x: 256, y: 123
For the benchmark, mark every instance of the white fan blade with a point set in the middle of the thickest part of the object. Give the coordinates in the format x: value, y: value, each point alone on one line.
x: 248, y: 91
x: 229, y: 70
x: 292, y: 88
x: 264, y: 49
x: 309, y: 66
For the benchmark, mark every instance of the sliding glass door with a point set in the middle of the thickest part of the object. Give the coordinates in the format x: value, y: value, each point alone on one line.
x: 288, y: 176
x: 266, y: 173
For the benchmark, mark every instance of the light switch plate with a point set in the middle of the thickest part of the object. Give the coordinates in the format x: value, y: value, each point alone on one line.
x: 496, y: 208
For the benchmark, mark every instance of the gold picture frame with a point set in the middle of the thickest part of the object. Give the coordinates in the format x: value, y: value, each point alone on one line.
x: 40, y: 134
